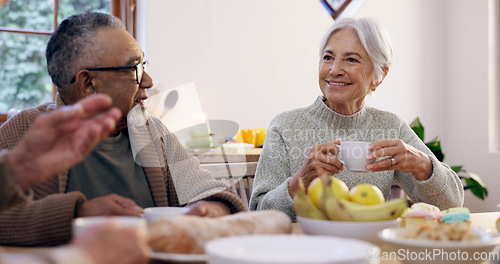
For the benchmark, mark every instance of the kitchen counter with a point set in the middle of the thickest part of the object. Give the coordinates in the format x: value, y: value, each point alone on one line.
x: 226, y: 155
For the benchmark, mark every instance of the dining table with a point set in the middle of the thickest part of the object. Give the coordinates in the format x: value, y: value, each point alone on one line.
x: 485, y: 220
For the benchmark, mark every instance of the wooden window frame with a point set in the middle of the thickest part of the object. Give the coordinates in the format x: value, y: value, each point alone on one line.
x: 3, y: 118
x: 494, y: 79
x: 33, y: 31
x: 125, y: 10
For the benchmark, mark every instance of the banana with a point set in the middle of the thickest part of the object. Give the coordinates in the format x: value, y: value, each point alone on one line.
x: 303, y: 205
x: 326, y: 194
x: 343, y: 210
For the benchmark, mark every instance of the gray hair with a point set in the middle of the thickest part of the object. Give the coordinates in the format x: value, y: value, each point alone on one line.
x: 373, y: 37
x: 72, y: 46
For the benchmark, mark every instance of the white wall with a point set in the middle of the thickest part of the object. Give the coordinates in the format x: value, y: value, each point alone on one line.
x: 441, y: 59
x: 250, y: 60
x: 254, y: 59
x: 467, y: 94
x: 415, y: 84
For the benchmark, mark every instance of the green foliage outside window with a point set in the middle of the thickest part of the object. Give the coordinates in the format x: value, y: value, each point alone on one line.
x: 23, y: 69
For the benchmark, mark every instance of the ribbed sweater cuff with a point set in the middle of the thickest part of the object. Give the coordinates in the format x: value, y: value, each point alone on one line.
x: 435, y: 184
x: 230, y: 199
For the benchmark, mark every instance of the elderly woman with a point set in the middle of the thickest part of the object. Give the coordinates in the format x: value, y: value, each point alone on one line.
x: 303, y: 143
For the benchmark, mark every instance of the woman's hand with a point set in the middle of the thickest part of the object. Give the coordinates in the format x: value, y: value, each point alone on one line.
x: 322, y: 159
x: 405, y: 158
x: 208, y: 209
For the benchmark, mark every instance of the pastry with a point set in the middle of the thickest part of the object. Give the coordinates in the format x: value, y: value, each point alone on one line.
x: 187, y: 234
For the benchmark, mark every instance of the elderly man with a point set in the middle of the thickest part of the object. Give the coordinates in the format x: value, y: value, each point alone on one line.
x: 140, y: 165
x: 56, y: 141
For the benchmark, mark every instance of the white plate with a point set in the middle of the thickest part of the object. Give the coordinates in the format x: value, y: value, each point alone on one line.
x: 486, y: 239
x: 357, y: 230
x: 487, y: 219
x: 288, y: 249
x: 180, y: 258
x: 424, y: 251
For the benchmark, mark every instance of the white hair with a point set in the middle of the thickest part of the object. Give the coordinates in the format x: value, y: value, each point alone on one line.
x: 373, y: 37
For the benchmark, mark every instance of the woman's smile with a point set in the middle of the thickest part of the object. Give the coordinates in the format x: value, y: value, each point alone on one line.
x: 345, y: 72
x: 337, y: 84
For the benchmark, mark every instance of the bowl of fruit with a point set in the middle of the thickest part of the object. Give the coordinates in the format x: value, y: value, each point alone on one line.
x: 330, y: 208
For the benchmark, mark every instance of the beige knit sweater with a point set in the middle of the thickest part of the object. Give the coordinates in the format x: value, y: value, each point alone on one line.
x: 175, y: 179
x: 10, y: 193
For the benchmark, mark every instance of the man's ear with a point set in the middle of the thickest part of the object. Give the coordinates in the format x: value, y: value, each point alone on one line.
x: 84, y: 84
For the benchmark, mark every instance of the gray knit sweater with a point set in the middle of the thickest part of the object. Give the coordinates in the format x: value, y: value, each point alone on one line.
x: 292, y: 134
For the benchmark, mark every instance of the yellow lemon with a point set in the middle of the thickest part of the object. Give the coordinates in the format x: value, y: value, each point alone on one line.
x: 260, y: 134
x: 367, y: 194
x: 338, y: 186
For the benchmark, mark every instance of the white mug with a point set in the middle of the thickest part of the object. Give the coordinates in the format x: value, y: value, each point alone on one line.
x: 81, y: 224
x: 153, y: 213
x: 354, y: 155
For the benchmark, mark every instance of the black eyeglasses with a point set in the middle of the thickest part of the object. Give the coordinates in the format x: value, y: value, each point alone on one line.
x: 139, y: 70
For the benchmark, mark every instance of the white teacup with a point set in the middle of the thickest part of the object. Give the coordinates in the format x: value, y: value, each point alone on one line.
x: 153, y: 213
x: 81, y: 224
x: 353, y: 155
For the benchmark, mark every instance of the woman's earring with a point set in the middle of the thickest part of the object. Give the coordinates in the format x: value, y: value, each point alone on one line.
x: 373, y: 88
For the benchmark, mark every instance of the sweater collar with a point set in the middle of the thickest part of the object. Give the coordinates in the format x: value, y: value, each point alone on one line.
x: 327, y: 112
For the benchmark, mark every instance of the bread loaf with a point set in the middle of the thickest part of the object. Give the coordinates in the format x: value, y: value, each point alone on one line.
x: 188, y: 234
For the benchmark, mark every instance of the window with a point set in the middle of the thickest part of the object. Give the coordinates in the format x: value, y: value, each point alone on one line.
x: 25, y: 28
x: 494, y: 77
